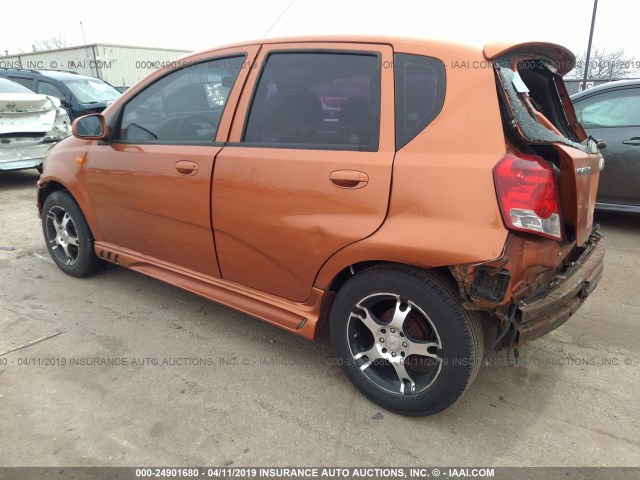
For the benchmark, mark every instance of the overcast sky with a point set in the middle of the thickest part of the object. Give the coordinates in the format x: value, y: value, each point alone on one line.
x: 196, y: 25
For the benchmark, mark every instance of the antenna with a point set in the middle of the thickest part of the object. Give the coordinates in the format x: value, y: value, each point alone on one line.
x: 84, y: 40
x: 278, y: 19
x: 586, y: 63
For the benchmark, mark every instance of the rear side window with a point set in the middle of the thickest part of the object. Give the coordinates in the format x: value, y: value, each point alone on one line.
x: 317, y: 100
x: 47, y: 88
x: 420, y: 90
x: 620, y: 108
x: 25, y: 82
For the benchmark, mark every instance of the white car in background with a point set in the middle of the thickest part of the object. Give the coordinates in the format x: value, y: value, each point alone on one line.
x: 29, y: 125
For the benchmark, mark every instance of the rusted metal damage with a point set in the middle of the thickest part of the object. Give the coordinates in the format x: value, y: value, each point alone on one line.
x: 548, y: 281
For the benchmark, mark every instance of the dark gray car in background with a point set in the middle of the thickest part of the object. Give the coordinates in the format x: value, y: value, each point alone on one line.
x: 80, y: 95
x: 611, y: 112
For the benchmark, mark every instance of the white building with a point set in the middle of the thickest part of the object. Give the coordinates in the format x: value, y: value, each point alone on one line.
x: 119, y: 65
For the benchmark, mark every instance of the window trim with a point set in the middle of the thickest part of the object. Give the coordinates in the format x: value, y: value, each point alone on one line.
x: 120, y: 114
x: 304, y: 146
x: 374, y: 147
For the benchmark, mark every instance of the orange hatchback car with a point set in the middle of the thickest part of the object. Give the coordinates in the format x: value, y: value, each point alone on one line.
x: 420, y: 202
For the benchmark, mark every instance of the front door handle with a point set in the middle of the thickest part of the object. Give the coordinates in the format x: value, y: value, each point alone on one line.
x: 185, y: 167
x: 635, y: 141
x: 348, y: 179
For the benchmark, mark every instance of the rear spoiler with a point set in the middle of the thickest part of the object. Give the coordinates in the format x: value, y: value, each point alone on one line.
x: 559, y: 57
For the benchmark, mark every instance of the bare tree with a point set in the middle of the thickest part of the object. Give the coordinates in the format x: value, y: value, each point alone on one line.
x: 51, y: 43
x: 605, y: 65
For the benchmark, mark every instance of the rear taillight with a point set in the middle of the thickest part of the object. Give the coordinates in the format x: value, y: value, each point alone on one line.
x: 528, y: 195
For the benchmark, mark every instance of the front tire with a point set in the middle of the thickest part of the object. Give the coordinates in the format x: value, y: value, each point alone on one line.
x: 67, y: 234
x: 404, y: 339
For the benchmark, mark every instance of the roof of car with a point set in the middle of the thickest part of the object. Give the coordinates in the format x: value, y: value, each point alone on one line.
x: 56, y: 74
x: 606, y: 86
x: 490, y: 50
x: 62, y: 75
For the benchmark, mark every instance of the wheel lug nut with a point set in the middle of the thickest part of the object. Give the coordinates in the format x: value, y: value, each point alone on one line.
x: 382, y: 340
x: 404, y: 344
x: 393, y: 354
x: 393, y: 330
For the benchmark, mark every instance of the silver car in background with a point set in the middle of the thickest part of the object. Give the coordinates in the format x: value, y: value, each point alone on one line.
x: 29, y: 125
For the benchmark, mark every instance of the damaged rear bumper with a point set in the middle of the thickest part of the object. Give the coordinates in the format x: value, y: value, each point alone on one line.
x: 534, y: 287
x: 538, y: 316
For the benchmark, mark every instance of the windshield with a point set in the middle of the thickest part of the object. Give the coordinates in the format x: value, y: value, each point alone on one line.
x: 7, y: 86
x: 91, y: 90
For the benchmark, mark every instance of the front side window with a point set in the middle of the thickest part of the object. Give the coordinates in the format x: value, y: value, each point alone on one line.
x: 619, y: 108
x: 184, y: 106
x: 317, y: 100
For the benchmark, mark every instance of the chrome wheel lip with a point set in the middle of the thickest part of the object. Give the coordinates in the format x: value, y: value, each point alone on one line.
x: 398, y: 345
x: 62, y: 236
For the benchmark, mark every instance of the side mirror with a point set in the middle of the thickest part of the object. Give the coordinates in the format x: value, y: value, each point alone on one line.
x: 90, y: 127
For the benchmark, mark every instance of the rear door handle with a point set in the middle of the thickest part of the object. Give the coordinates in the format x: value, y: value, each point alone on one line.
x: 185, y: 167
x: 635, y: 141
x: 348, y: 179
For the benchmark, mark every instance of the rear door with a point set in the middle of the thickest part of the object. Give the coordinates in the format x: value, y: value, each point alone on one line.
x: 307, y: 169
x: 614, y: 116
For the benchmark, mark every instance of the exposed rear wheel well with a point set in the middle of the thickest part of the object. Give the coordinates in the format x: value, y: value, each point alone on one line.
x: 490, y: 323
x: 344, y: 275
x: 341, y: 278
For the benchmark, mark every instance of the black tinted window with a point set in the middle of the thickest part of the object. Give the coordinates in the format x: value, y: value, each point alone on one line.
x: 317, y: 100
x: 25, y: 82
x: 420, y: 89
x: 47, y: 88
x: 184, y: 106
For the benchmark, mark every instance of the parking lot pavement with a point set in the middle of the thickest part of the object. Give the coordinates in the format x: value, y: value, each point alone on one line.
x: 194, y: 383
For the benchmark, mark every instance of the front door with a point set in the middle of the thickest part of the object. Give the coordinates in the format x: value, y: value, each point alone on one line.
x: 150, y: 186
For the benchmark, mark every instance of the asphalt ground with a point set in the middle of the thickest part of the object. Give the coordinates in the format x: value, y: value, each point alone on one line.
x: 193, y: 383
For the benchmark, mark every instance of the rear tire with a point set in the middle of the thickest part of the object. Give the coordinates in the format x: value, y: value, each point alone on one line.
x: 67, y: 235
x: 404, y: 339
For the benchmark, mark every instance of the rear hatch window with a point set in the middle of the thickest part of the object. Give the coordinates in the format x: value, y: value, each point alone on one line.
x: 531, y: 88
